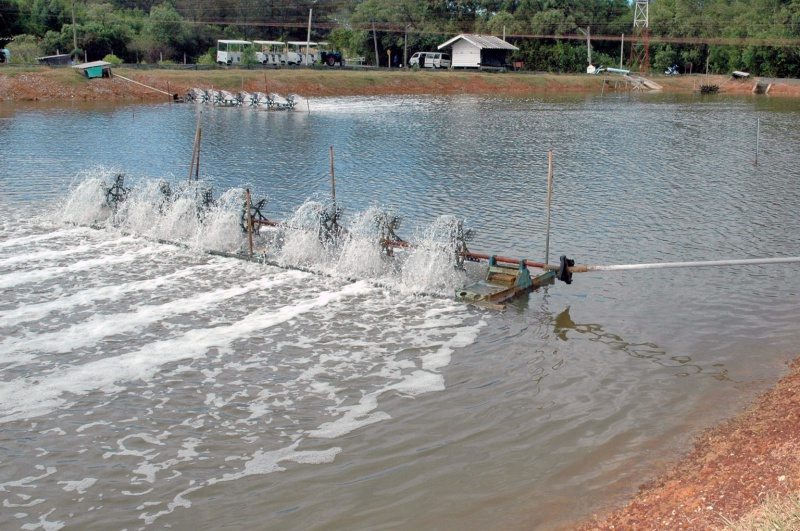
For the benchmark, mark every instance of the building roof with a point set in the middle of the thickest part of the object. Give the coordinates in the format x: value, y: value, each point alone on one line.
x: 483, y: 42
x: 233, y: 41
x: 270, y: 43
x: 84, y: 66
x: 55, y: 56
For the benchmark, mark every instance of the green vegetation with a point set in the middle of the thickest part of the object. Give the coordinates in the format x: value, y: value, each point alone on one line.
x: 113, y: 59
x: 759, y: 36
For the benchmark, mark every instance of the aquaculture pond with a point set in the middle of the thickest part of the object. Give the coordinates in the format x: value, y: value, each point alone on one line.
x: 144, y: 384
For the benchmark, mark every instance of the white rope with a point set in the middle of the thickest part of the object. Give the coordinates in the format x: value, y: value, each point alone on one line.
x: 142, y: 84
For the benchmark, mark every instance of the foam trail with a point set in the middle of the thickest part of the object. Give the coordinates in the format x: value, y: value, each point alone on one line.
x: 36, y: 238
x: 261, y: 463
x: 101, y: 326
x: 25, y: 398
x: 54, y: 255
x: 34, y: 312
x: 15, y: 279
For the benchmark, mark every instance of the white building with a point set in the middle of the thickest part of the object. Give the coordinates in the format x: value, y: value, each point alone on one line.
x: 476, y: 51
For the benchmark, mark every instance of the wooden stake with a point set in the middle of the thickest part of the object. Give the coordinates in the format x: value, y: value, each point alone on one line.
x: 758, y: 135
x: 247, y: 203
x: 197, y: 162
x: 194, y: 147
x: 333, y: 179
x: 549, y: 199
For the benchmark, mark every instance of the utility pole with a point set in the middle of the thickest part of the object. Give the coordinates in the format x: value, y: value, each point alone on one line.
x: 308, y: 38
x: 621, y: 47
x: 375, y: 40
x: 405, y: 49
x: 74, y: 31
x: 588, y: 34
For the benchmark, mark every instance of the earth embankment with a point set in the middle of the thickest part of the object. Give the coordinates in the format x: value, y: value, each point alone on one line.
x: 53, y: 84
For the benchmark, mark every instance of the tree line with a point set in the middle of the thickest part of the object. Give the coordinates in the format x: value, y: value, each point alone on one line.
x: 762, y: 35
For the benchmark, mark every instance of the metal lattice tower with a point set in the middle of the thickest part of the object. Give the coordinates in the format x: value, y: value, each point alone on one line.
x: 640, y: 49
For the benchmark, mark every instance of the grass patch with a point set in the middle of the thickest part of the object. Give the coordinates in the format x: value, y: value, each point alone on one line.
x: 777, y: 513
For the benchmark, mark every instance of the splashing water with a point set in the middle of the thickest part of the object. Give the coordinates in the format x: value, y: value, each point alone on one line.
x: 177, y: 371
x: 310, y: 238
x: 154, y: 210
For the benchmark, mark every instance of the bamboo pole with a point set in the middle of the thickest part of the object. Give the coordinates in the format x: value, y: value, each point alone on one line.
x: 194, y: 148
x: 549, y: 200
x: 197, y: 162
x: 333, y: 180
x: 247, y: 205
x: 758, y: 136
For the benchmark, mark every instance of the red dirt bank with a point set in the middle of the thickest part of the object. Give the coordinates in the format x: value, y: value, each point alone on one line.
x: 60, y: 84
x: 730, y: 471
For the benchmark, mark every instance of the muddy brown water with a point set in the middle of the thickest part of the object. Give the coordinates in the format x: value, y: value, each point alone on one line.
x: 143, y: 385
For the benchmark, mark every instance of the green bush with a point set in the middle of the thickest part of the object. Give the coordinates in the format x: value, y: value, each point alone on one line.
x: 208, y: 58
x: 113, y: 59
x: 25, y: 49
x: 249, y: 57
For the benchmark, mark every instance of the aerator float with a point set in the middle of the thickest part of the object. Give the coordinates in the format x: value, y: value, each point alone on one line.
x: 505, y: 278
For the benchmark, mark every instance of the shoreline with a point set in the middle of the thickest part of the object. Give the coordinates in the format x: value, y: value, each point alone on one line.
x: 730, y: 472
x: 65, y: 84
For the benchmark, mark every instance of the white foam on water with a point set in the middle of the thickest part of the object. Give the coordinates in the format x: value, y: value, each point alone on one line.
x: 461, y: 338
x: 260, y: 463
x: 80, y: 486
x: 353, y: 418
x: 91, y: 425
x: 10, y: 280
x: 35, y: 312
x: 52, y: 255
x: 149, y: 470
x: 38, y: 238
x: 44, y: 523
x: 97, y: 327
x: 28, y: 481
x: 24, y: 398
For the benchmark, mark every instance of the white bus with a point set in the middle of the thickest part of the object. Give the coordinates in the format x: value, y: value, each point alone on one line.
x: 270, y: 53
x: 229, y: 52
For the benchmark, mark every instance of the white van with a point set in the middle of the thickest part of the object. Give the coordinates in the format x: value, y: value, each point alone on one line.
x: 430, y: 60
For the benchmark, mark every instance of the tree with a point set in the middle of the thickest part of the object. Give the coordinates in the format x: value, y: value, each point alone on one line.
x: 25, y: 49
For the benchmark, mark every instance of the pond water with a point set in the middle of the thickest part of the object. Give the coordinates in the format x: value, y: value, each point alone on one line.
x: 148, y: 385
